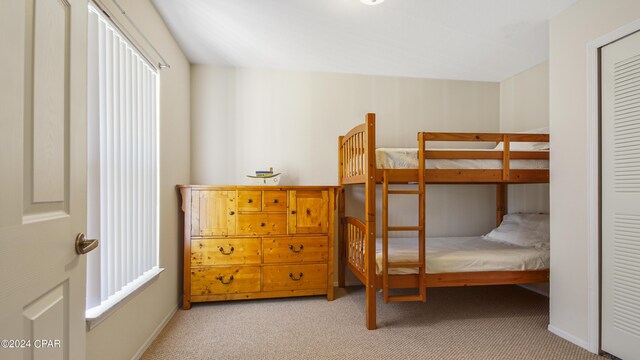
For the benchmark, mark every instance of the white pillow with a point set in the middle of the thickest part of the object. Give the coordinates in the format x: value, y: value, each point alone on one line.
x: 529, y: 230
x: 527, y: 146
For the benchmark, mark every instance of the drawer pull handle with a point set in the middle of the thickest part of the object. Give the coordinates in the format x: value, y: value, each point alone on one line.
x: 293, y: 212
x: 308, y: 212
x: 221, y: 279
x: 262, y: 224
x: 231, y: 212
x: 226, y: 253
x: 294, y: 279
x: 275, y: 201
x: 294, y: 250
x: 250, y: 201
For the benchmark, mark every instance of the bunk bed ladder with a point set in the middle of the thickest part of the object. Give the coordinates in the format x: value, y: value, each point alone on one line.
x: 386, y: 265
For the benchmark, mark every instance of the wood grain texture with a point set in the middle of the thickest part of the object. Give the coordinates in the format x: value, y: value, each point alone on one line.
x: 188, y: 219
x: 295, y: 249
x: 214, y: 213
x: 342, y: 224
x: 294, y: 277
x: 331, y: 242
x: 309, y: 212
x: 274, y: 200
x: 226, y: 251
x: 258, y: 295
x: 370, y: 232
x: 262, y: 224
x: 249, y: 200
x: 204, y: 281
x: 264, y: 246
x: 467, y: 279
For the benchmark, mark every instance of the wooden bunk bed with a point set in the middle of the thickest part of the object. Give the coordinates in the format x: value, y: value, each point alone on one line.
x: 357, y: 238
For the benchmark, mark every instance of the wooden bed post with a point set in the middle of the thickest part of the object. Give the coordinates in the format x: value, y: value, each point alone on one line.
x: 370, y: 207
x: 501, y: 202
x: 341, y: 218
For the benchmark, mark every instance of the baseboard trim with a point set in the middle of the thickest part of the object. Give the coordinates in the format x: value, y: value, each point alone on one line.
x: 570, y: 338
x: 534, y: 289
x: 154, y: 334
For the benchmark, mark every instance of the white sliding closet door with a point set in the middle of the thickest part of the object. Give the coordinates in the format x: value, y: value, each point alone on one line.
x: 621, y: 198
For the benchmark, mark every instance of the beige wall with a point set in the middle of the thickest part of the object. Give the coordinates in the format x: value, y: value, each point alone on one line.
x: 248, y: 119
x: 124, y: 333
x: 524, y: 105
x: 524, y: 100
x: 570, y: 32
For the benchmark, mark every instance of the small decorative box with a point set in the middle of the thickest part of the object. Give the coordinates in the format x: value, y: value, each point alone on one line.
x: 265, y: 180
x: 264, y: 177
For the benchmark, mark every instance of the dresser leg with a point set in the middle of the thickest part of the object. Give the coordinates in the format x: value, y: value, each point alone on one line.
x: 186, y: 305
x: 330, y: 294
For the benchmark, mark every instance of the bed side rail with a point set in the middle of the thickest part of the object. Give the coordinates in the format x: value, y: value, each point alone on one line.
x: 356, y: 247
x: 506, y: 155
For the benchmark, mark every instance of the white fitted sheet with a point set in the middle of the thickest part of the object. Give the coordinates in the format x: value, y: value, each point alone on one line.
x: 463, y: 254
x: 407, y: 158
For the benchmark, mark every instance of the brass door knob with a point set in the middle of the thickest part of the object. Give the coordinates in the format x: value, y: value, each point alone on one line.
x: 83, y: 245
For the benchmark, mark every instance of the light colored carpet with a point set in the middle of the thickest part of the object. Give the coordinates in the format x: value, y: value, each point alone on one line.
x: 491, y: 322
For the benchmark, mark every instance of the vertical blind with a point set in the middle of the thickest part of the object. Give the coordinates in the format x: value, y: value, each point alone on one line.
x: 125, y: 116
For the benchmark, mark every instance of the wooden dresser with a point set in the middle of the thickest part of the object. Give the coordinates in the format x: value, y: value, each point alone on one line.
x: 248, y: 242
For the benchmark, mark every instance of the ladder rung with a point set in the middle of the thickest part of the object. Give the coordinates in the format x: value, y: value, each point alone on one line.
x: 403, y: 264
x: 398, y: 192
x: 399, y: 298
x: 404, y: 228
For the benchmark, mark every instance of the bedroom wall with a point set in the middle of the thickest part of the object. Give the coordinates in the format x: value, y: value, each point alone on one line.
x: 570, y: 32
x: 246, y: 119
x: 524, y: 105
x: 128, y: 331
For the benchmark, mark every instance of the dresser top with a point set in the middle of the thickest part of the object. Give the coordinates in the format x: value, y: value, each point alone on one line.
x: 257, y: 187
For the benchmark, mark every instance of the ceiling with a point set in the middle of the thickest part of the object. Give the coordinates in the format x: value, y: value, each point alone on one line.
x: 486, y: 40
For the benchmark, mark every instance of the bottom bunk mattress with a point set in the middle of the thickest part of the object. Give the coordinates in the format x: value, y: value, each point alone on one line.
x: 463, y: 254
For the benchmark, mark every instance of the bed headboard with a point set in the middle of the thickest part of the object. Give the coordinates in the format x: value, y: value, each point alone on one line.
x: 357, y: 153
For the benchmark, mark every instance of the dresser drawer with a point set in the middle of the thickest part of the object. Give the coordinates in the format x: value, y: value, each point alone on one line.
x: 249, y: 200
x: 262, y: 224
x: 225, y: 280
x: 228, y: 251
x: 295, y: 249
x: 274, y: 200
x: 294, y: 277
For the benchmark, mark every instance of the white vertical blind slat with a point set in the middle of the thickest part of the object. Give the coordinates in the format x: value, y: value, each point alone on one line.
x: 133, y: 271
x: 110, y: 177
x: 104, y: 193
x: 145, y: 143
x: 128, y: 159
x: 155, y: 133
x: 117, y: 238
x: 140, y: 187
x: 130, y: 172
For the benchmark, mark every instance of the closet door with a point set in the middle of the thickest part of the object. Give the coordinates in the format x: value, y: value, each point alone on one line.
x: 621, y: 197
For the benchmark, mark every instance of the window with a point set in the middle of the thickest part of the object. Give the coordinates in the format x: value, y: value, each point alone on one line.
x: 122, y: 168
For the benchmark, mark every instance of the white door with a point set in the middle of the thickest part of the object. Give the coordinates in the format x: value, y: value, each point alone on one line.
x: 42, y: 178
x: 621, y: 198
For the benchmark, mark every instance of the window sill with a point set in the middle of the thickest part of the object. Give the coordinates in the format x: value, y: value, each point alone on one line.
x: 98, y: 314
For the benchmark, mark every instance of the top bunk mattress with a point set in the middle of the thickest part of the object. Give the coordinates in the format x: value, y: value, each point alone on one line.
x: 462, y: 254
x: 407, y: 158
